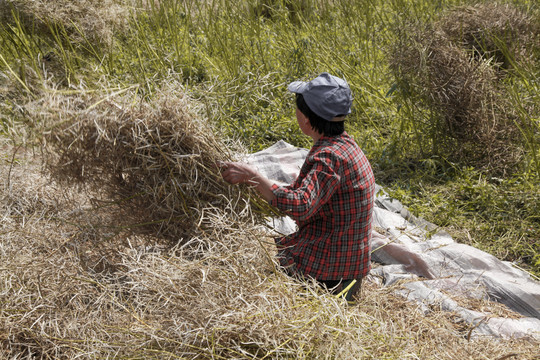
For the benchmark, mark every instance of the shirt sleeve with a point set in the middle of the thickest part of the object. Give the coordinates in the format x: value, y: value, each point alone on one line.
x: 306, y: 196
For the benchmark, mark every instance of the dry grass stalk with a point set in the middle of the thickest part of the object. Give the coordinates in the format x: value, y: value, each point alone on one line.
x: 96, y: 20
x: 155, y: 161
x: 453, y: 68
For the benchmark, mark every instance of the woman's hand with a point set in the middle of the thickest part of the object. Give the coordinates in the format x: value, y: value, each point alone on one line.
x: 241, y: 173
x: 238, y: 173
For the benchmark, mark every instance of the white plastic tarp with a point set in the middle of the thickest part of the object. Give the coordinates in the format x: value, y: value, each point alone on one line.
x: 434, y: 265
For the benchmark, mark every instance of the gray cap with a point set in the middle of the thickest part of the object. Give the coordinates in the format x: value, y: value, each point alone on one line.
x: 327, y: 95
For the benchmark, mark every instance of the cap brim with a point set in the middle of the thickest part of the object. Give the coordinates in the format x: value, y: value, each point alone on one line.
x: 297, y: 87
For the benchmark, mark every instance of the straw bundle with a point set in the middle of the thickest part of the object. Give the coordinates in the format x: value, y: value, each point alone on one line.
x: 453, y: 68
x: 89, y: 20
x: 502, y: 33
x: 156, y: 161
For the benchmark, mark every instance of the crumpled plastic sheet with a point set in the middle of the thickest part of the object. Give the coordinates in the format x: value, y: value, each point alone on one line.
x: 432, y: 263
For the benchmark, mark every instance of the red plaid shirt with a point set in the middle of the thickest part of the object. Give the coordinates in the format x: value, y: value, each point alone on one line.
x: 332, y: 203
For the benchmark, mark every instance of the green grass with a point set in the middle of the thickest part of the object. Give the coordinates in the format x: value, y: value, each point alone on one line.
x: 499, y: 216
x: 236, y: 58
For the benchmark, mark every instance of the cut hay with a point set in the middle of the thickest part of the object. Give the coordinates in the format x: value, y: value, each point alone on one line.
x: 224, y: 300
x: 453, y: 69
x: 502, y: 33
x: 76, y: 284
x: 95, y: 21
x: 155, y: 162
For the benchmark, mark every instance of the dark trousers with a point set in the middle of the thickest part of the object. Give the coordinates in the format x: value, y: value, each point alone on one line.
x: 334, y: 286
x: 337, y: 286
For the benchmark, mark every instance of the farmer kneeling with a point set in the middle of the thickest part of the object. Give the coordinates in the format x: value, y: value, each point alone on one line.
x: 332, y: 198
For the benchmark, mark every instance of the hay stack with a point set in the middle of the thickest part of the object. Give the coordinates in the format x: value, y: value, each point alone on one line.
x: 500, y: 32
x: 88, y: 20
x: 154, y: 160
x: 453, y: 68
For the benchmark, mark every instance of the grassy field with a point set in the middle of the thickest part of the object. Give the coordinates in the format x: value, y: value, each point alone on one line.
x: 237, y: 58
x: 462, y: 151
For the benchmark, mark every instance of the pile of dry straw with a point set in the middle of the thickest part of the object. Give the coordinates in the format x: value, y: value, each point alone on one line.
x: 454, y: 68
x: 91, y: 21
x: 85, y: 275
x: 155, y: 161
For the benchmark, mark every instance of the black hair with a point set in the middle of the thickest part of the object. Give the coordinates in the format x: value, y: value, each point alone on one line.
x: 322, y: 126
